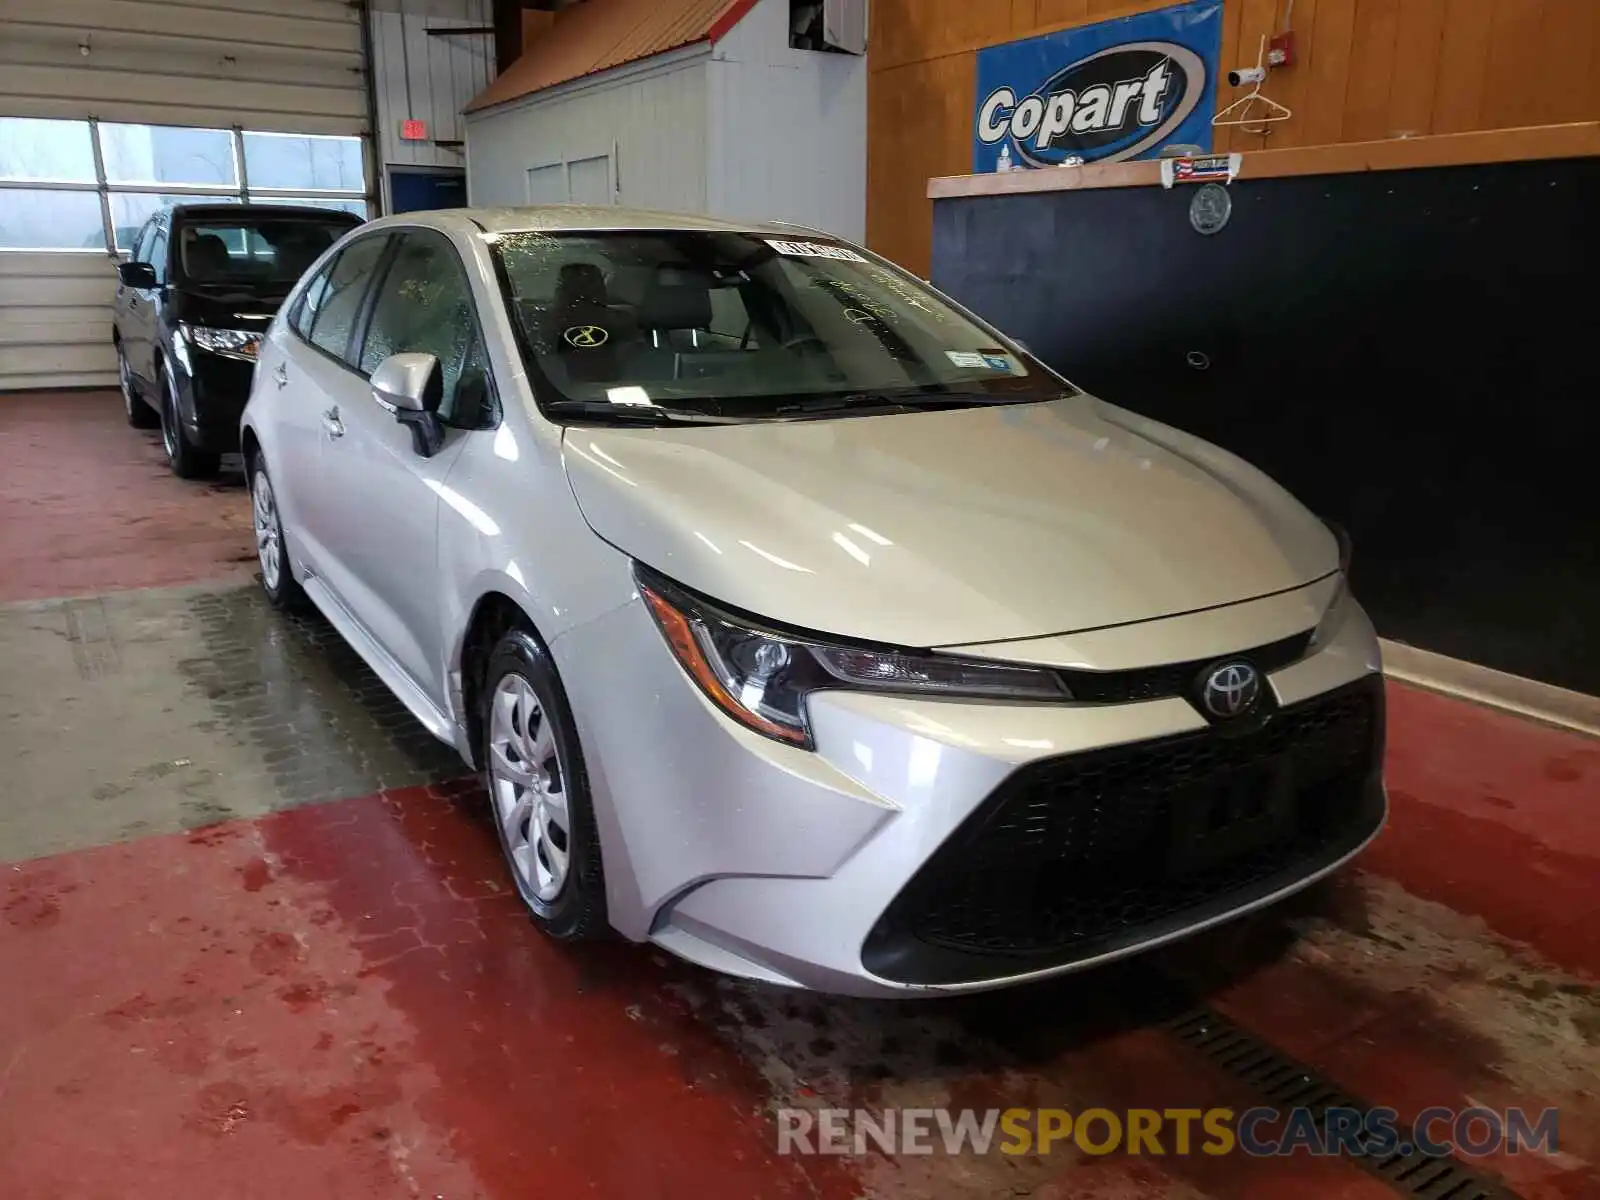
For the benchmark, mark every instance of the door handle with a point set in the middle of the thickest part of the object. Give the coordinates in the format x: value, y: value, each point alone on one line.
x: 281, y: 375
x: 332, y: 423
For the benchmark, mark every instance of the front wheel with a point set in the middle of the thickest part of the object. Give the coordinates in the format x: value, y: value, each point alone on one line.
x: 187, y: 461
x: 539, y: 790
x: 277, y: 576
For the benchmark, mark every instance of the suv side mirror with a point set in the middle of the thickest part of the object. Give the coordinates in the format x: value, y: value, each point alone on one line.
x: 137, y: 274
x: 410, y: 386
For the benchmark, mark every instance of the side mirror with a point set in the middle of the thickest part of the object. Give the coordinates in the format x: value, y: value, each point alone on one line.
x: 137, y: 274
x: 410, y: 386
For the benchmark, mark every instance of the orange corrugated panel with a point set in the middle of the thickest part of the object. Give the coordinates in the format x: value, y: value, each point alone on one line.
x: 599, y: 34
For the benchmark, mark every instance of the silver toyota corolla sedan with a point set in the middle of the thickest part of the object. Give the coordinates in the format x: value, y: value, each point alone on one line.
x: 801, y: 623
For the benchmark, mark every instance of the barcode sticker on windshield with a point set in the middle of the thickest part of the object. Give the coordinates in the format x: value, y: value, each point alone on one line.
x: 815, y: 250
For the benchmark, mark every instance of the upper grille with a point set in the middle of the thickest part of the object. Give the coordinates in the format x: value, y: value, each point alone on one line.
x: 1174, y: 679
x: 1077, y: 855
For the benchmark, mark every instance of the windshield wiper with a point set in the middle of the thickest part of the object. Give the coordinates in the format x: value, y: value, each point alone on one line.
x: 638, y: 414
x: 922, y: 400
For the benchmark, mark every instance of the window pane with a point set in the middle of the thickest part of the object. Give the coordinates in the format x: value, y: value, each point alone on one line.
x: 168, y: 154
x: 323, y: 164
x: 424, y: 308
x: 159, y: 255
x: 358, y: 207
x: 311, y: 299
x: 41, y: 220
x: 59, y: 151
x: 129, y: 210
x: 346, y: 286
x: 265, y: 251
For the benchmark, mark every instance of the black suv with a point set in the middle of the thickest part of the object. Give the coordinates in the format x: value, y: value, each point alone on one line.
x: 203, y: 282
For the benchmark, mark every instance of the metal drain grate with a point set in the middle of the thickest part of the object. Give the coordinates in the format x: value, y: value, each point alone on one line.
x: 1284, y: 1083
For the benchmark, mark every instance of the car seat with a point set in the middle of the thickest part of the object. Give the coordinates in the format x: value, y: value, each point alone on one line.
x: 206, y: 257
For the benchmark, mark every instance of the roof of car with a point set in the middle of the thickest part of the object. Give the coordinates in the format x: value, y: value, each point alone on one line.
x: 229, y: 209
x: 558, y: 218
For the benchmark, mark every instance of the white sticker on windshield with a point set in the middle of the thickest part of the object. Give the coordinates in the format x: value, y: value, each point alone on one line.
x: 815, y: 250
x: 965, y: 358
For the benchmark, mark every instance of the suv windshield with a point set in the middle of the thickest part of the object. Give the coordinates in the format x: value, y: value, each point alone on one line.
x: 270, y: 251
x: 655, y: 324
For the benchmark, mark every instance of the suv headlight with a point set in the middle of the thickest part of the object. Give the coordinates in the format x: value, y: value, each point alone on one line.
x: 761, y: 677
x: 230, y: 343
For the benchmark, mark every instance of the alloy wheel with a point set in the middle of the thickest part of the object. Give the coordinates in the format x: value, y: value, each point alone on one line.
x: 527, y: 777
x: 264, y: 516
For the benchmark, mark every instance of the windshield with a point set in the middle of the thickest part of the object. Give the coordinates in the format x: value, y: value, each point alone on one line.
x: 733, y: 325
x: 266, y: 251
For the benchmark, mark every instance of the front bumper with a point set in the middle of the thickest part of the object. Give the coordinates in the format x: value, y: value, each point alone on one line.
x: 212, y: 393
x: 931, y: 846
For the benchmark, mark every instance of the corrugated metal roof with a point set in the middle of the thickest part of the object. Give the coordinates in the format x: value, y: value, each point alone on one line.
x: 600, y: 34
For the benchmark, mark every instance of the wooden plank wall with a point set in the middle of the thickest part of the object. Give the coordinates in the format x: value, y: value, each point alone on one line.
x: 1365, y: 69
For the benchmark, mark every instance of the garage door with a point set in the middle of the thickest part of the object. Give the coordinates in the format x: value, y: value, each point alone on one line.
x: 111, y: 108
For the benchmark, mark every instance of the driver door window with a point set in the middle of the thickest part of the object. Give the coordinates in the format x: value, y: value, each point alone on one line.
x: 424, y: 306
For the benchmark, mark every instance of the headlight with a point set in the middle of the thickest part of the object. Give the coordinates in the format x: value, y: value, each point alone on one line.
x: 761, y: 677
x: 230, y: 343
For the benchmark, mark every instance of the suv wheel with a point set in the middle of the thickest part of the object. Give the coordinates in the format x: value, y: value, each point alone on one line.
x: 539, y: 790
x: 187, y: 461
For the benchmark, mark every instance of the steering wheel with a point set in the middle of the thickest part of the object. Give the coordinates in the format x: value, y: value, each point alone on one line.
x: 800, y: 341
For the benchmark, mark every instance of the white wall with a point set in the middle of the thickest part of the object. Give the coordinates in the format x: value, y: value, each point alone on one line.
x: 427, y: 77
x: 788, y: 128
x: 653, y: 113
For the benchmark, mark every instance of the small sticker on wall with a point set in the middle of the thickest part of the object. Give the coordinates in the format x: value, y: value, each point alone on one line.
x: 815, y: 250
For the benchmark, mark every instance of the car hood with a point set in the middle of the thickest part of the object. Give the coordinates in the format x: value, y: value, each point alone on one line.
x: 944, y: 527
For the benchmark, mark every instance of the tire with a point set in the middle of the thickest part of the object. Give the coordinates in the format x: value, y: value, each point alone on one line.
x: 282, y: 589
x: 187, y: 461
x: 140, y: 414
x: 520, y: 671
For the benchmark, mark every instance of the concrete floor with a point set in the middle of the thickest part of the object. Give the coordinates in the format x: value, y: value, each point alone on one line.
x: 257, y: 940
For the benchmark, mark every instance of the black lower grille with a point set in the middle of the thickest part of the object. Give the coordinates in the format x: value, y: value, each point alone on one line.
x: 1078, y: 856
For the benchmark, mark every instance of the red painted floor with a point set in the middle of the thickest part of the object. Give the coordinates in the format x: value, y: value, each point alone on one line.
x: 1496, y: 817
x: 88, y: 505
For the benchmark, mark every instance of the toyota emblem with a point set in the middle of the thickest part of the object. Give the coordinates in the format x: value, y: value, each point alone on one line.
x: 1231, y: 690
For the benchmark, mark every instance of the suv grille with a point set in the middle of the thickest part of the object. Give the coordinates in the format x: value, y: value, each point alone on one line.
x: 1077, y: 856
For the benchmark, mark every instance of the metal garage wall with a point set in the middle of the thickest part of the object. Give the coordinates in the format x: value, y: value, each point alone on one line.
x: 429, y: 75
x: 55, y: 320
x: 647, y: 118
x: 289, y: 65
x: 295, y: 66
